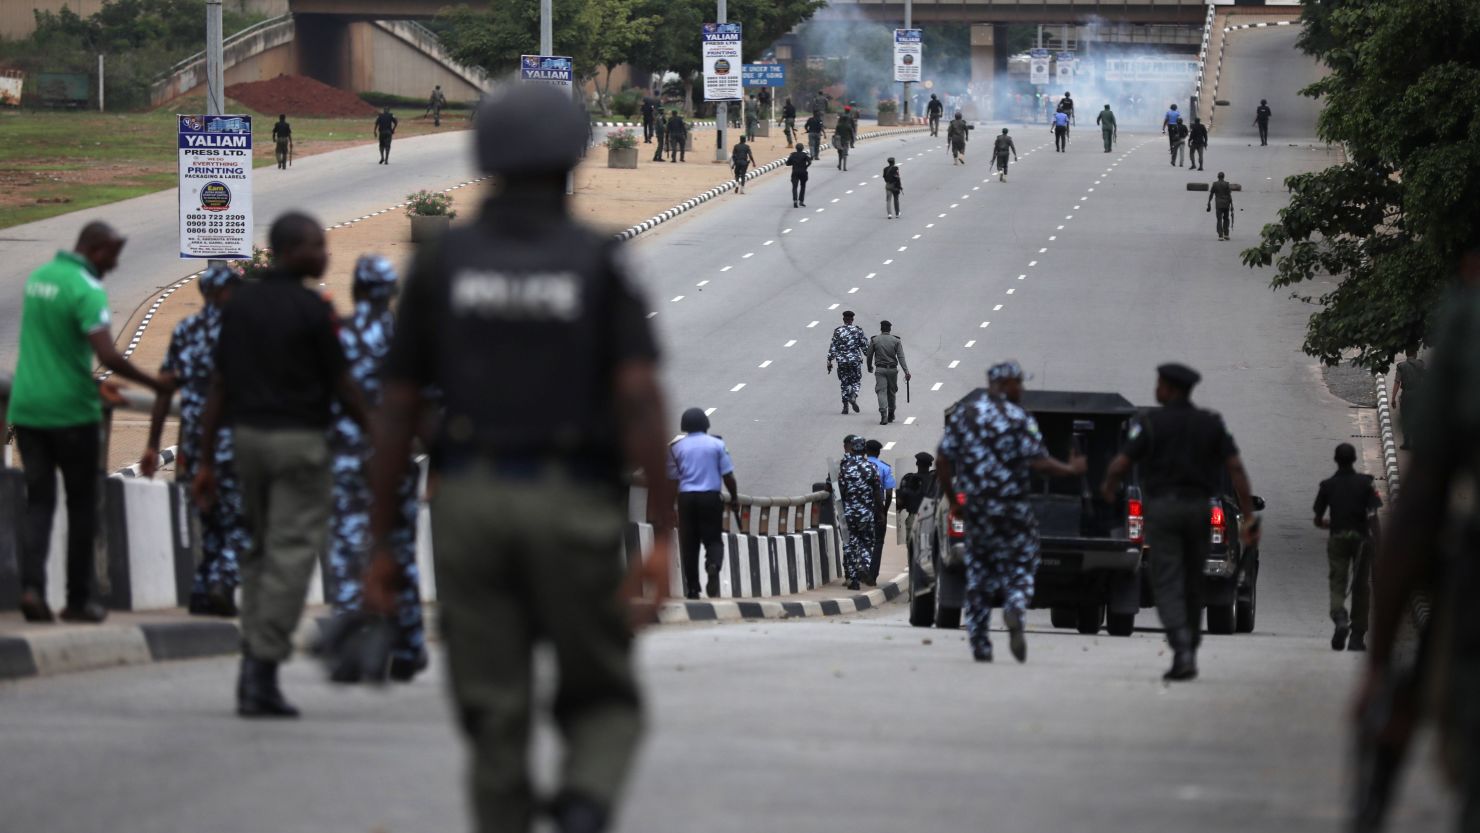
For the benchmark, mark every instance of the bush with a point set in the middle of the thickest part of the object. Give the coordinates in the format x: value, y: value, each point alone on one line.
x: 627, y: 102
x: 429, y: 204
x: 621, y: 139
x: 888, y: 105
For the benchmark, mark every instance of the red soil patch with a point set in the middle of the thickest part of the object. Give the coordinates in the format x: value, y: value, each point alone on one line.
x: 296, y: 95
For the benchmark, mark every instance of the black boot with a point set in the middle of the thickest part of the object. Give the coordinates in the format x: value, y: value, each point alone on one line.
x: 883, y: 418
x: 574, y: 813
x: 257, y: 693
x: 1184, y: 656
x: 891, y: 416
x: 220, y: 601
x: 711, y: 586
x: 1338, y: 638
x: 1018, y: 641
x: 982, y: 652
x: 1358, y: 641
x: 404, y: 669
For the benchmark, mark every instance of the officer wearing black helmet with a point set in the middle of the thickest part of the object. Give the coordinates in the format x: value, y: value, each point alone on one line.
x: 1181, y: 449
x: 529, y: 458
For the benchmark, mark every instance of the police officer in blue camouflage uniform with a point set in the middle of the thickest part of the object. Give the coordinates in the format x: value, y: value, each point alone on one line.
x: 863, y: 505
x: 989, y: 449
x: 366, y: 338
x: 187, y: 367
x: 846, y: 350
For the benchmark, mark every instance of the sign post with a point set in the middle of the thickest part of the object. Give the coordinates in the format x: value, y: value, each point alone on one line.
x: 723, y: 73
x: 215, y: 187
x: 907, y: 54
x: 557, y: 70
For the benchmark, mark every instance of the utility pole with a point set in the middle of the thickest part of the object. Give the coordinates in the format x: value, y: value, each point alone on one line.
x: 215, y: 77
x: 721, y: 110
x: 904, y: 86
x: 547, y: 47
x: 100, y: 82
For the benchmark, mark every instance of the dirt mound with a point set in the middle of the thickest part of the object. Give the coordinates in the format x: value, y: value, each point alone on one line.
x: 296, y: 95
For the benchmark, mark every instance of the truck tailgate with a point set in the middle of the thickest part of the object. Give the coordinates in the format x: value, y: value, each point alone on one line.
x: 1062, y: 554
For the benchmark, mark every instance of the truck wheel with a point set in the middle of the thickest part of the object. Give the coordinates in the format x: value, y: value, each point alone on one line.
x: 922, y: 609
x: 1244, y: 611
x: 1220, y: 619
x: 1063, y: 617
x: 1089, y: 618
x: 948, y: 617
x: 1120, y: 624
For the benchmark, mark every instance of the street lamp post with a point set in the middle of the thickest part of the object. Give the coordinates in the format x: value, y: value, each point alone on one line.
x: 215, y: 72
x: 904, y: 86
x: 721, y: 109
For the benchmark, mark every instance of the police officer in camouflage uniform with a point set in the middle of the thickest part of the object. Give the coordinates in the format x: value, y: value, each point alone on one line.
x: 530, y: 503
x: 1182, y: 450
x: 187, y: 367
x: 366, y: 338
x: 863, y: 506
x: 846, y: 349
x: 989, y: 449
x: 885, y: 357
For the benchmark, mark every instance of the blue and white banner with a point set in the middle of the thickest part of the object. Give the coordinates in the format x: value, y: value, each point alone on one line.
x: 215, y: 187
x: 1038, y: 66
x: 907, y: 55
x: 548, y: 69
x: 723, y: 71
x: 1065, y: 67
x: 765, y: 75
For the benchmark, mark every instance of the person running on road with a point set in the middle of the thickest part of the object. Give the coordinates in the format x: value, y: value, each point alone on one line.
x: 842, y: 138
x: 1221, y: 193
x: 282, y: 140
x: 846, y: 350
x: 435, y: 104
x: 1170, y: 124
x: 1001, y: 146
x: 1106, y: 121
x: 933, y: 111
x: 57, y: 413
x: 989, y: 448
x: 956, y: 137
x: 1353, y: 502
x: 1060, y: 132
x: 789, y: 120
x: 863, y: 503
x: 1066, y: 106
x: 893, y: 185
x: 814, y: 130
x: 741, y: 158
x: 1197, y: 142
x: 1261, y: 120
x: 799, y: 161
x: 385, y: 129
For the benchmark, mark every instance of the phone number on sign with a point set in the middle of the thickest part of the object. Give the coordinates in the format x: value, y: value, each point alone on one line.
x: 206, y: 223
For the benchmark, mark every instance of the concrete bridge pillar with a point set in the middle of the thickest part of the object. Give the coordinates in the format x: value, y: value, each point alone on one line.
x: 987, y: 62
x: 324, y: 48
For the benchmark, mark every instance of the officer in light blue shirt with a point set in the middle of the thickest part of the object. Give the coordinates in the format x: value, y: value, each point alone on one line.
x: 873, y: 448
x: 1061, y: 132
x: 700, y: 463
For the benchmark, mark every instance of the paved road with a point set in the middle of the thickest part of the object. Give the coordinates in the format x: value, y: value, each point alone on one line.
x: 859, y: 724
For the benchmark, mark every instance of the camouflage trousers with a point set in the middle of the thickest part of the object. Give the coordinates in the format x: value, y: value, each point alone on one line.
x: 224, y: 536
x: 1001, y: 563
x: 349, y: 547
x: 850, y: 378
x: 858, y: 550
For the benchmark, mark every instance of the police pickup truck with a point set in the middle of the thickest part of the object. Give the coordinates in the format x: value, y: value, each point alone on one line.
x: 1094, y: 571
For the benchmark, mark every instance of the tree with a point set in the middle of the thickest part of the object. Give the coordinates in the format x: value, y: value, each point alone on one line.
x: 613, y: 29
x: 1390, y: 223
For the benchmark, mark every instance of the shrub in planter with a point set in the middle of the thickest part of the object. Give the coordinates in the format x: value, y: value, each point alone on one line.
x: 888, y: 112
x: 431, y: 212
x: 621, y: 148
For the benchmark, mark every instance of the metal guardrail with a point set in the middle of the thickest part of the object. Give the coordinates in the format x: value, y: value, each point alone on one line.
x: 230, y: 40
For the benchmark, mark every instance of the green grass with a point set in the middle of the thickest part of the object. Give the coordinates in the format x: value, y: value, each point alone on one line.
x: 107, y: 157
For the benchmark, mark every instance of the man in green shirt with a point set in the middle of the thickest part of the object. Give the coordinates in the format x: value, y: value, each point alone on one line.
x: 56, y: 411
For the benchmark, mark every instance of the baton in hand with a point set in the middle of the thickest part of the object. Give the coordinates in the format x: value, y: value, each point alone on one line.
x: 906, y: 390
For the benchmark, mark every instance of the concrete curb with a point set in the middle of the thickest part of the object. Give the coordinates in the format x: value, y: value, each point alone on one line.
x: 638, y: 125
x: 1420, y: 608
x: 1264, y: 25
x: 698, y: 200
x: 732, y: 610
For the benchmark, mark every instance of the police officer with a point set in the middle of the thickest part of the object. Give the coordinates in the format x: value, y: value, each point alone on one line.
x: 1222, y: 193
x: 851, y: 113
x: 913, y: 489
x: 956, y: 138
x: 1353, y: 502
x: 763, y: 102
x: 893, y: 186
x: 1106, y: 121
x: 649, y: 116
x: 1181, y: 450
x: 789, y: 120
x: 1060, y: 132
x: 1197, y: 142
x: 435, y: 104
x: 282, y: 140
x: 887, y: 484
x: 385, y: 129
x: 188, y: 364
x: 1000, y: 148
x: 529, y: 508
x: 366, y: 337
x: 988, y: 450
x: 863, y: 502
x: 678, y: 137
x: 799, y: 161
x: 842, y: 139
x: 1066, y: 106
x: 886, y: 353
x: 699, y: 463
x: 741, y: 158
x: 933, y: 111
x: 1261, y: 120
x: 814, y: 130
x: 846, y: 349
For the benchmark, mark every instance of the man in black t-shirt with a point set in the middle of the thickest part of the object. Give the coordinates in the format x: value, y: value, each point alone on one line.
x: 799, y: 161
x: 1353, y: 502
x: 385, y: 128
x: 530, y: 460
x: 279, y: 368
x: 282, y: 140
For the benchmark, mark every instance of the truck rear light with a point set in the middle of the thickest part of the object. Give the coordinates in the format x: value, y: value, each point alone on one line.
x: 1218, y: 526
x: 1135, y: 522
x: 958, y: 526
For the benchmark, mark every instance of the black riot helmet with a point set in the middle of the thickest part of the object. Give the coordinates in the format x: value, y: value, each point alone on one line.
x: 529, y: 128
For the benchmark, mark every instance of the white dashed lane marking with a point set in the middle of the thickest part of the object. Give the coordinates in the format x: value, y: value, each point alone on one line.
x: 937, y: 386
x: 997, y: 308
x: 909, y: 420
x: 870, y: 276
x: 702, y: 283
x: 813, y: 324
x: 954, y: 364
x: 747, y: 255
x: 726, y: 268
x: 676, y: 299
x: 833, y: 307
x: 765, y: 364
x: 736, y: 389
x: 790, y: 343
x: 710, y: 411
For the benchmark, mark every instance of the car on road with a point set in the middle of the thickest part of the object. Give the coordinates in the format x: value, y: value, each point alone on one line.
x: 1094, y: 568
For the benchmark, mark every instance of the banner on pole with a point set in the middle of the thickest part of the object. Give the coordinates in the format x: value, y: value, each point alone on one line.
x: 722, y: 68
x: 1038, y: 66
x: 558, y: 70
x: 1065, y: 65
x: 765, y: 75
x: 215, y: 187
x: 907, y: 55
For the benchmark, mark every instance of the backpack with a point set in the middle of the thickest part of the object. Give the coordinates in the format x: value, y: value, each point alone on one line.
x: 910, y: 492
